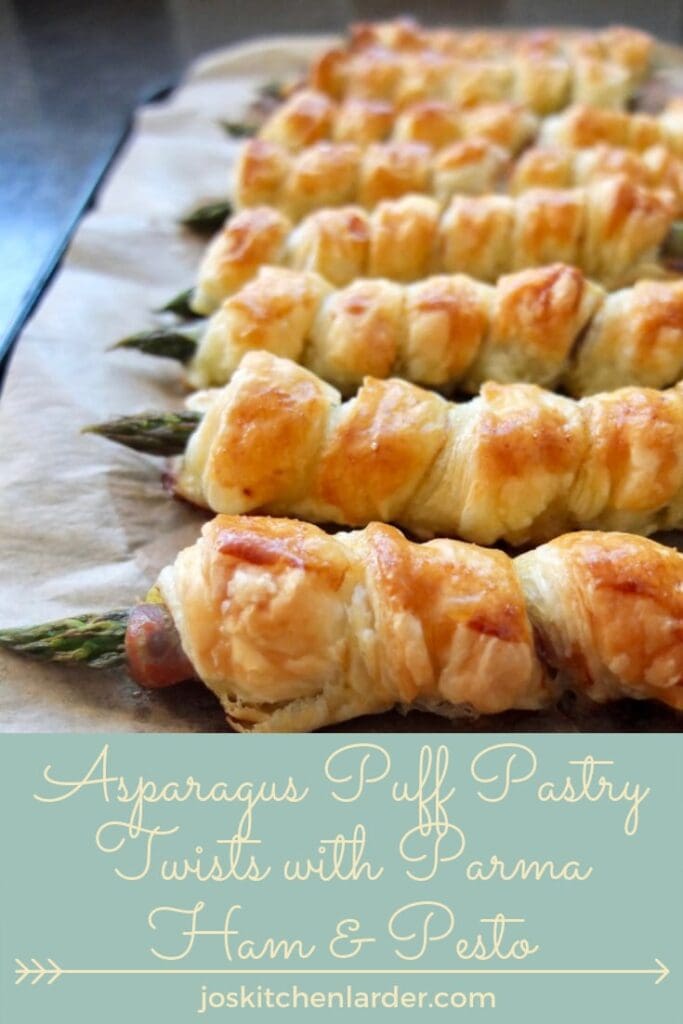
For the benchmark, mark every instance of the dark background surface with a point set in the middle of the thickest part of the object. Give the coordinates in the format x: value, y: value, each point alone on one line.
x: 71, y: 72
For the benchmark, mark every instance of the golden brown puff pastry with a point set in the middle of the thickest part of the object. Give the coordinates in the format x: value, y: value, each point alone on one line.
x: 582, y: 126
x: 546, y: 82
x: 552, y: 167
x: 607, y: 611
x: 626, y: 46
x: 611, y: 229
x: 307, y: 117
x: 547, y: 326
x: 407, y: 34
x: 332, y: 174
x: 294, y: 629
x: 437, y: 124
x: 516, y: 463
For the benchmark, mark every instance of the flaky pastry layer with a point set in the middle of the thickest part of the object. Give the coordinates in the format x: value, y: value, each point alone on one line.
x: 294, y: 629
x: 582, y: 126
x: 334, y: 174
x: 309, y: 116
x: 545, y: 78
x: 549, y: 326
x: 627, y: 46
x: 612, y: 230
x: 516, y: 463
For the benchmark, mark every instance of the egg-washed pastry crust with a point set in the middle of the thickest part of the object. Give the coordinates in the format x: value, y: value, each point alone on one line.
x: 516, y: 463
x: 544, y: 78
x: 294, y: 629
x: 549, y: 326
x: 334, y: 174
x: 612, y: 230
x: 309, y: 116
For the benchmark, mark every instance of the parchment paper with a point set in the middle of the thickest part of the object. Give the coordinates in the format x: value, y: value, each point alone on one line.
x: 84, y: 524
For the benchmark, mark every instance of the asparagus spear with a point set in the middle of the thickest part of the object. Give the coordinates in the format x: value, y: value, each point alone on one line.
x: 239, y: 129
x: 95, y: 640
x: 267, y: 97
x: 180, y: 304
x: 208, y: 219
x: 271, y: 91
x: 143, y: 638
x: 672, y: 249
x: 169, y: 342
x: 157, y: 433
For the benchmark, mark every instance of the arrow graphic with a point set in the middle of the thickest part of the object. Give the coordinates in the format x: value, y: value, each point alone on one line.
x: 38, y: 972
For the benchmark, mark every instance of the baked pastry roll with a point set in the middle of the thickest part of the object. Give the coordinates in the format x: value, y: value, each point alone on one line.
x: 406, y: 34
x: 582, y: 126
x: 552, y: 167
x: 332, y: 174
x: 294, y: 629
x: 515, y: 464
x: 549, y: 326
x: 612, y: 230
x: 309, y: 116
x: 625, y: 46
x: 543, y: 79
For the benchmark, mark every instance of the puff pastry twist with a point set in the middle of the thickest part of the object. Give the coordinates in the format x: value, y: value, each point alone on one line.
x: 618, y: 43
x: 333, y: 174
x: 612, y: 230
x: 516, y: 463
x: 293, y: 629
x: 544, y: 80
x: 581, y: 126
x: 549, y: 326
x: 309, y: 116
x: 553, y: 167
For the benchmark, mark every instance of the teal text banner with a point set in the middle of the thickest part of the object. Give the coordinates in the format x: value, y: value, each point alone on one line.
x: 209, y: 878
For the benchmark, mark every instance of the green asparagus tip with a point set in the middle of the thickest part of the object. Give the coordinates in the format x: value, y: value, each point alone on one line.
x: 239, y: 129
x: 156, y: 433
x: 169, y: 343
x: 181, y: 305
x: 208, y: 219
x: 271, y: 91
x: 673, y: 243
x: 94, y: 640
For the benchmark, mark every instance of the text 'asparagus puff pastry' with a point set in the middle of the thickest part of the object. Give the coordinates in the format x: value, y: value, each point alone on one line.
x: 309, y: 116
x: 583, y: 126
x: 547, y: 326
x: 626, y: 46
x: 293, y: 629
x: 333, y: 174
x: 612, y: 230
x: 516, y: 463
x: 543, y: 80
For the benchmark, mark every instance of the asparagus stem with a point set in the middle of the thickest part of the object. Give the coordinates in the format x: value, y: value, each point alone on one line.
x: 267, y: 97
x: 271, y: 91
x: 181, y: 305
x: 157, y: 433
x: 95, y: 640
x: 208, y: 219
x: 169, y: 342
x: 239, y: 129
x: 673, y: 243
